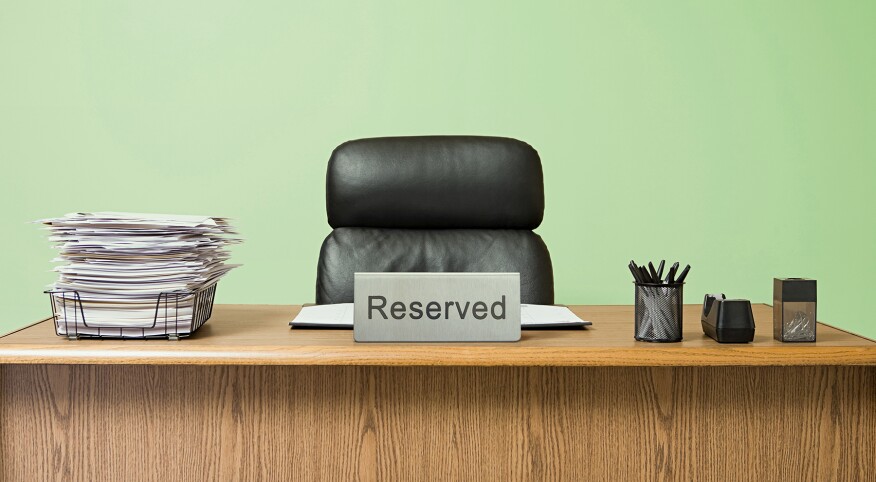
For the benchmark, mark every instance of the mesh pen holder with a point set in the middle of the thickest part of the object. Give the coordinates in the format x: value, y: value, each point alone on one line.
x: 659, y: 312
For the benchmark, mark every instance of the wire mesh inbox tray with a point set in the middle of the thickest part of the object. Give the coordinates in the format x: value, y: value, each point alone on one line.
x: 177, y: 315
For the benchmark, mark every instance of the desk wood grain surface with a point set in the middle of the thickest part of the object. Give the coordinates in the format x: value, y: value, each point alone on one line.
x: 259, y: 335
x: 206, y: 423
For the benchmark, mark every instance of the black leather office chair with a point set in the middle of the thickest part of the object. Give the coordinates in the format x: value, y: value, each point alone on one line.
x: 437, y: 203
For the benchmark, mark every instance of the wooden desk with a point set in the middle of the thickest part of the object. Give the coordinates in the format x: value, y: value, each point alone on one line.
x: 247, y: 398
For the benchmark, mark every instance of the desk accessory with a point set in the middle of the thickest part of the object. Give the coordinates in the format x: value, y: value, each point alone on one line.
x: 727, y: 321
x: 134, y: 275
x: 178, y: 314
x: 436, y: 307
x: 794, y: 309
x: 658, y: 302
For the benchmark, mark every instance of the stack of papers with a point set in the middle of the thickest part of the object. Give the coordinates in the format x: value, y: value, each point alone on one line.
x: 340, y: 315
x: 119, y: 264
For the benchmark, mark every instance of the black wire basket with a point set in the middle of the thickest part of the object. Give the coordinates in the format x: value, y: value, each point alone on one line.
x: 69, y: 316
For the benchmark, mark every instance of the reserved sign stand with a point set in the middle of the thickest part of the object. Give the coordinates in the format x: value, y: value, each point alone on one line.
x: 436, y: 307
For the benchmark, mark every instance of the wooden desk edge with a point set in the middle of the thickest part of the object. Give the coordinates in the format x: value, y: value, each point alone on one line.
x: 449, y: 356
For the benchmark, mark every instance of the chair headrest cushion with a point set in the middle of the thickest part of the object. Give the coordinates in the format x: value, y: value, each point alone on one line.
x: 435, y: 182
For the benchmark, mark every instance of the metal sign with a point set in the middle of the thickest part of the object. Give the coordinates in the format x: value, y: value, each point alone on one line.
x: 436, y: 307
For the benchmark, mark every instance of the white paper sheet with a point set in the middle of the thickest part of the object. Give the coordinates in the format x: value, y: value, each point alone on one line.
x: 548, y: 315
x: 338, y: 315
x: 341, y: 316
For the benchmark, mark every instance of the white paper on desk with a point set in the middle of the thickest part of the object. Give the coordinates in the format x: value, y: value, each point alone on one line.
x: 535, y: 316
x: 340, y: 315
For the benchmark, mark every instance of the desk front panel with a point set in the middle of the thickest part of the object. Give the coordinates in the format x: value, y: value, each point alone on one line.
x: 78, y: 422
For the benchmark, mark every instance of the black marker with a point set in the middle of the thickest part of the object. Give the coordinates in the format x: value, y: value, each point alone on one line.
x: 653, y: 272
x: 660, y: 269
x: 645, y: 276
x: 633, y: 269
x: 670, y: 278
x: 683, y: 274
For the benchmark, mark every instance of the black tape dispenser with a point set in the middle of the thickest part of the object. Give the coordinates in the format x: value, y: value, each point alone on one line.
x: 728, y: 321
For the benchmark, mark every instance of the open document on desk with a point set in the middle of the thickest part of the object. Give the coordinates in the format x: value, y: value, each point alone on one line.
x: 341, y: 316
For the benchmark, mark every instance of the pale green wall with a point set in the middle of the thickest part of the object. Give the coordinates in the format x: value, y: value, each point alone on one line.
x: 736, y: 136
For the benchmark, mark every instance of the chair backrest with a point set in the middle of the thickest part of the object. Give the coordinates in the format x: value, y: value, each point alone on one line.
x: 434, y: 203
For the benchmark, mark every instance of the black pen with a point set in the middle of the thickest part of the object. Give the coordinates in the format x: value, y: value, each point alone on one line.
x: 633, y: 269
x: 683, y: 274
x: 670, y: 278
x: 660, y: 269
x: 653, y: 272
x: 646, y: 278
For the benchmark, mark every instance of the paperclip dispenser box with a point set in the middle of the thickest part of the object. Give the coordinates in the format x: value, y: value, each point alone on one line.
x: 794, y: 309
